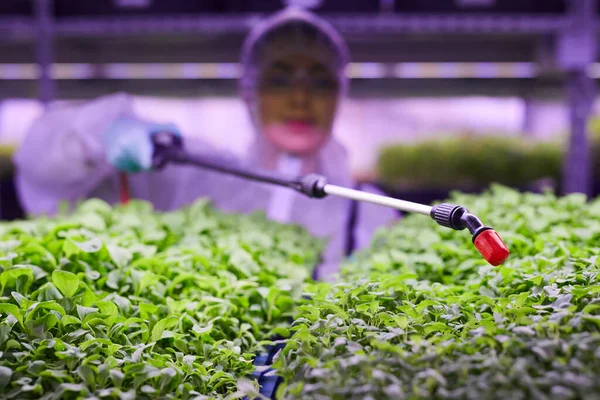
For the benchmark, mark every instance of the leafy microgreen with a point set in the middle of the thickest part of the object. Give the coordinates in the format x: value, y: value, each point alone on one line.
x: 420, y: 315
x: 127, y: 303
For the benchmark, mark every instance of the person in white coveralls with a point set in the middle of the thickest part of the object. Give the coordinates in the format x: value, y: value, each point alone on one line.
x: 293, y: 80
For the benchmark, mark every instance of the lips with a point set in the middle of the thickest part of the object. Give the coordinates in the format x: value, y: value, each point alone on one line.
x: 297, y: 137
x: 298, y: 125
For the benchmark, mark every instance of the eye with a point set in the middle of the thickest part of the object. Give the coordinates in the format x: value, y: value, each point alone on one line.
x: 275, y: 81
x: 325, y: 84
x: 278, y: 81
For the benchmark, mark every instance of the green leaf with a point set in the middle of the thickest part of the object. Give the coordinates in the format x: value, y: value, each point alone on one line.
x: 283, y: 332
x: 108, y: 307
x: 401, y: 321
x: 484, y: 291
x: 167, y: 377
x: 5, y: 376
x: 521, y: 298
x: 40, y: 326
x: 66, y: 282
x: 123, y: 303
x: 201, y: 330
x: 521, y: 311
x: 424, y: 304
x: 117, y: 377
x: 436, y: 327
x: 88, y: 298
x: 93, y: 221
x: 87, y: 375
x: 5, y: 331
x: 590, y: 308
x: 119, y: 255
x: 44, y: 305
x: 538, y: 280
x: 6, y: 261
x: 11, y: 275
x: 593, y: 318
x: 12, y: 310
x: 160, y: 327
x: 147, y: 310
x: 83, y: 312
x: 23, y: 302
x: 72, y: 247
x: 70, y: 320
x: 72, y: 387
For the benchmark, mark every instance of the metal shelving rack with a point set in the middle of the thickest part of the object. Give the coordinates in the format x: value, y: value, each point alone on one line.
x: 561, y: 47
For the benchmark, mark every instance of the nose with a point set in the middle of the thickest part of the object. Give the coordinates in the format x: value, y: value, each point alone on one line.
x: 299, y: 96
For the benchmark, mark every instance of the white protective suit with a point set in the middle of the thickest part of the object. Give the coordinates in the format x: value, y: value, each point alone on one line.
x: 63, y: 158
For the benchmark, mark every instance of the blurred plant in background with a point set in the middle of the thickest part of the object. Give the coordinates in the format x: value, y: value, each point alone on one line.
x: 472, y: 161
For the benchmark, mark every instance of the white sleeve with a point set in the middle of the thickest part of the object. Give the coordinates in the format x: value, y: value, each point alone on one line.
x: 371, y: 217
x: 282, y: 198
x: 63, y: 155
x: 181, y: 185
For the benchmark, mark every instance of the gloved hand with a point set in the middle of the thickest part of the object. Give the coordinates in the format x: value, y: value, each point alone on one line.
x: 129, y: 143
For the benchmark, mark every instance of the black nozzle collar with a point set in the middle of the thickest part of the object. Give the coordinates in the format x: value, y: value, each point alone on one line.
x: 312, y: 185
x: 457, y: 218
x: 449, y: 215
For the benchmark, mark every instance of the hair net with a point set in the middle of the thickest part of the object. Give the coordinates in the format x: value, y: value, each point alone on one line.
x: 303, y: 32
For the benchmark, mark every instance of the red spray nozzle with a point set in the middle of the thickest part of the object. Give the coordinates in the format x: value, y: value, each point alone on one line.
x: 486, y: 240
x: 491, y: 247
